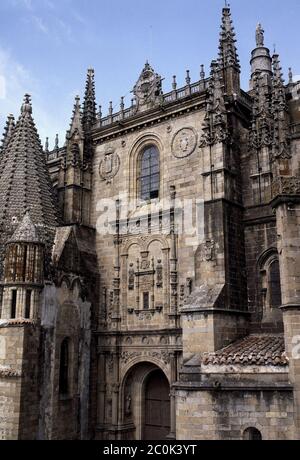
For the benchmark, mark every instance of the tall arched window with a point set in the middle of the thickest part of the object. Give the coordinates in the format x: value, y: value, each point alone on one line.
x: 64, y: 367
x: 148, y: 178
x: 274, y: 284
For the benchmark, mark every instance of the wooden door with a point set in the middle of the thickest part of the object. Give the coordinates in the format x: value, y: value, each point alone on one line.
x: 156, y: 407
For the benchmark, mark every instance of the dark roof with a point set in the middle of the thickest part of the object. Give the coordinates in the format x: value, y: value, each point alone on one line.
x: 24, y: 179
x: 253, y: 350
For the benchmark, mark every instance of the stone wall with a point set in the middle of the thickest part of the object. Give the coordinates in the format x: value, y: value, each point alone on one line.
x: 207, y: 415
x: 19, y: 379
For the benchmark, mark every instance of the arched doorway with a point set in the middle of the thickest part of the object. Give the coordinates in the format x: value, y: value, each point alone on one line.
x: 252, y: 434
x: 156, y: 419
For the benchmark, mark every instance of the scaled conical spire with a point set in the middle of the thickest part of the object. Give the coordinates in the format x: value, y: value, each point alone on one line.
x: 89, y: 105
x: 24, y: 178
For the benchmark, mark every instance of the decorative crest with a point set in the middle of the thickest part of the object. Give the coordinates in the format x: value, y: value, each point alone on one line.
x: 148, y: 88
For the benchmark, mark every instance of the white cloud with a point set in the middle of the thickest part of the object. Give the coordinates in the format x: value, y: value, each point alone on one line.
x: 18, y: 80
x: 40, y: 25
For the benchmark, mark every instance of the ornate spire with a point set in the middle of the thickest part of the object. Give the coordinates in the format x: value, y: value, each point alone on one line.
x: 8, y: 130
x: 89, y: 105
x: 228, y: 55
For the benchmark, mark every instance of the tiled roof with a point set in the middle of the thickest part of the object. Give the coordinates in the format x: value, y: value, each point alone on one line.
x: 253, y: 350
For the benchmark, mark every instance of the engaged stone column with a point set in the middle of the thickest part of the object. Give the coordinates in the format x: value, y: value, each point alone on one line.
x: 288, y: 230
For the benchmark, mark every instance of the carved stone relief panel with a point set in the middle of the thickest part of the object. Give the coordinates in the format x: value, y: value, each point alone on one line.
x: 109, y: 165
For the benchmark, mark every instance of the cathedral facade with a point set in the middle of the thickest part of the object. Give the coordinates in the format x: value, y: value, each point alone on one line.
x: 150, y: 267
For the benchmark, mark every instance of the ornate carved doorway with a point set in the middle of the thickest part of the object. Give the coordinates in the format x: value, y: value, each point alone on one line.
x: 156, y: 424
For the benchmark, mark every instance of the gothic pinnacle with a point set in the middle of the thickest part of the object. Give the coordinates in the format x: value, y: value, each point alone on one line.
x: 89, y: 115
x: 228, y: 55
x: 76, y: 121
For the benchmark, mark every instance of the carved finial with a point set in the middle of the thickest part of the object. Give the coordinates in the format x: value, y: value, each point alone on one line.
x: 100, y: 112
x: 122, y: 105
x: 202, y: 72
x: 26, y: 107
x: 56, y: 142
x: 174, y: 84
x: 290, y: 75
x: 47, y: 145
x: 110, y: 110
x: 260, y: 38
x: 188, y: 79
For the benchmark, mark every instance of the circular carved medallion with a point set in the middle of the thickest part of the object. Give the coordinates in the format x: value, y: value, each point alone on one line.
x: 109, y: 166
x: 184, y: 142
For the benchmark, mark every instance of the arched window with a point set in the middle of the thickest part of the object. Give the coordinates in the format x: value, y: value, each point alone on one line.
x: 148, y: 178
x: 274, y: 285
x: 270, y: 281
x: 252, y: 434
x: 64, y: 367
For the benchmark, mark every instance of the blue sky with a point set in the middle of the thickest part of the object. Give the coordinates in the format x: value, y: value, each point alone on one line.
x: 47, y: 45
